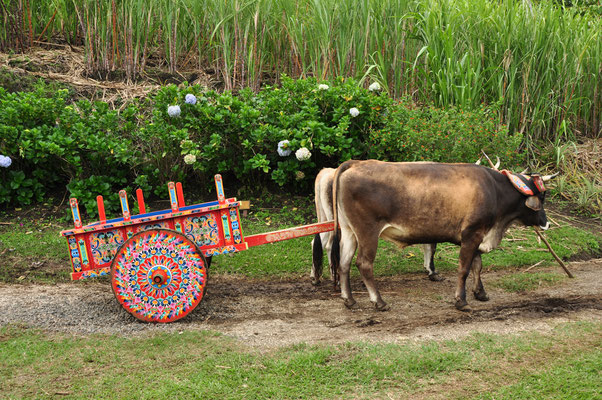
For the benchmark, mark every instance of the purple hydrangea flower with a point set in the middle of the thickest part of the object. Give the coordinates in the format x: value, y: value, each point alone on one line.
x: 174, y: 111
x: 5, y: 161
x: 190, y: 99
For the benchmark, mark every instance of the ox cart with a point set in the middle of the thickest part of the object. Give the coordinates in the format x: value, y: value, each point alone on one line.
x: 158, y: 261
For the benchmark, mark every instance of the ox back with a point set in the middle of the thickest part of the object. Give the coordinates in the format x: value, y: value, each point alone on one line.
x: 408, y: 203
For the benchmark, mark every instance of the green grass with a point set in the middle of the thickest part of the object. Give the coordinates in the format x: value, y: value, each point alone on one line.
x: 577, y: 378
x: 523, y: 282
x: 207, y: 365
x: 32, y: 249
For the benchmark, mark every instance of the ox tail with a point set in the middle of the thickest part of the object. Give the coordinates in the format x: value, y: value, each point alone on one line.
x: 335, y: 251
x: 318, y: 256
x: 335, y: 256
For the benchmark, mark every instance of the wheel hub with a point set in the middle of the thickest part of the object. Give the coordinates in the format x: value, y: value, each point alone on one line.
x: 160, y: 276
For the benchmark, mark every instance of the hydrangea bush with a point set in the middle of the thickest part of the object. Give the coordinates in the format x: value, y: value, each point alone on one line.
x: 278, y: 136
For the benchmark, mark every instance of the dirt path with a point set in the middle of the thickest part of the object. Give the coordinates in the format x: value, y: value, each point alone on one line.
x: 275, y: 313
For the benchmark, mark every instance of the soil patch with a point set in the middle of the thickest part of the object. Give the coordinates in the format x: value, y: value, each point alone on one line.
x: 270, y: 314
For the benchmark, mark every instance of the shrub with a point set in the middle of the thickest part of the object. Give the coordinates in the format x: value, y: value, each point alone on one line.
x: 445, y: 135
x: 189, y: 134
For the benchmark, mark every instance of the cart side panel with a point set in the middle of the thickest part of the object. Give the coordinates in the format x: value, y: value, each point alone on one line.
x: 96, y: 250
x: 203, y: 229
x: 104, y: 245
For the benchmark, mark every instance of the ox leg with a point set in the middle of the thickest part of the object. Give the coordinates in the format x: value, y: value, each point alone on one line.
x: 429, y: 261
x: 348, y: 246
x: 366, y: 254
x: 468, y: 251
x: 478, y: 290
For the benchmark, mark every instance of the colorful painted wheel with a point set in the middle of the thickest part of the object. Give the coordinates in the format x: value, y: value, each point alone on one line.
x: 159, y: 275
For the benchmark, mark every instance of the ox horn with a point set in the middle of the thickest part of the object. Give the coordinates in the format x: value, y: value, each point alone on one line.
x: 524, y: 171
x: 548, y: 177
x: 479, y: 161
x: 490, y: 162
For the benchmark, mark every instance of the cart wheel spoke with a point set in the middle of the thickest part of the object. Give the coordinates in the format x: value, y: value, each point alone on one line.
x: 159, y: 275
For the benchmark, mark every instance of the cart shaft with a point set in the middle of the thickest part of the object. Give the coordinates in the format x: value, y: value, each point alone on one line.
x: 291, y: 233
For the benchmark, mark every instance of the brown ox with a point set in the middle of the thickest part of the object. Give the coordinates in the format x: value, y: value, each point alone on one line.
x: 408, y: 203
x: 323, y: 199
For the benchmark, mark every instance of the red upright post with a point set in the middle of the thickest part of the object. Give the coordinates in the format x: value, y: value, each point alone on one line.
x: 180, y: 193
x: 140, y: 197
x: 101, y: 209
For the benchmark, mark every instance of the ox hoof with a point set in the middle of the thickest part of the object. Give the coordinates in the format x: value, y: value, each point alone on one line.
x: 462, y: 305
x: 435, y: 277
x: 382, y: 306
x: 315, y: 282
x: 351, y: 304
x: 481, y: 296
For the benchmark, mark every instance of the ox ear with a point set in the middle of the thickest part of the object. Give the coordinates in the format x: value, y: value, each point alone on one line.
x: 533, y: 203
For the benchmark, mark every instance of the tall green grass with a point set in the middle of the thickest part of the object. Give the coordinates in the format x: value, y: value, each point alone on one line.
x: 542, y: 61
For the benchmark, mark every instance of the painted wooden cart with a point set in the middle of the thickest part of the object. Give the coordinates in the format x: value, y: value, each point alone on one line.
x: 158, y: 261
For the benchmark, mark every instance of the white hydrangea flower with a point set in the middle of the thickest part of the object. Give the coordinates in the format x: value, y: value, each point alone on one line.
x: 284, y: 148
x: 189, y: 159
x: 174, y: 111
x: 323, y: 87
x: 374, y: 87
x: 354, y: 112
x: 299, y: 175
x: 303, y: 154
x: 5, y: 161
x: 190, y: 99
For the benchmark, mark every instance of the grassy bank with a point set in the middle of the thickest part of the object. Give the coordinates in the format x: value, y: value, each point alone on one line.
x: 207, y: 365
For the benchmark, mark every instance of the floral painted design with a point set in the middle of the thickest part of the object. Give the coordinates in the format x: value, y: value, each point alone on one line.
x: 159, y: 276
x: 202, y: 230
x: 104, y: 245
